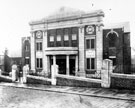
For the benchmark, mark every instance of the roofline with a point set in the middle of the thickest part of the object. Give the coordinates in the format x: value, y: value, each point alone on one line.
x: 73, y: 17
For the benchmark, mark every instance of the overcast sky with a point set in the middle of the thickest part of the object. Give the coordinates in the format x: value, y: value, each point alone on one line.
x: 16, y: 14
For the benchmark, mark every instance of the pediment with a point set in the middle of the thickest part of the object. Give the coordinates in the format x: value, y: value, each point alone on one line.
x: 65, y: 12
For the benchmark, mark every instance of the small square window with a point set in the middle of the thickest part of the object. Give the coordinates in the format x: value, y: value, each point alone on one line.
x: 58, y: 37
x: 66, y: 38
x: 51, y: 38
x: 74, y: 37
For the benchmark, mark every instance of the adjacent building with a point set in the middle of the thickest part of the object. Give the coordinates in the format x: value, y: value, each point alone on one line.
x: 26, y: 51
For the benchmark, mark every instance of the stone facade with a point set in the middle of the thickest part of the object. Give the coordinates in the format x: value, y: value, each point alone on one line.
x: 72, y: 40
x: 70, y: 48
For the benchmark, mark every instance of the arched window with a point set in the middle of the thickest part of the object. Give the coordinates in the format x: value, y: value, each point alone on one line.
x: 112, y: 38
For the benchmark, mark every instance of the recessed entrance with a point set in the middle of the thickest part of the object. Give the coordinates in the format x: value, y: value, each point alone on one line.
x: 61, y: 62
x: 63, y: 68
x: 72, y: 65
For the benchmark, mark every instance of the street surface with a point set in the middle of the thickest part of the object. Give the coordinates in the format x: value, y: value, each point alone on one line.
x: 12, y: 97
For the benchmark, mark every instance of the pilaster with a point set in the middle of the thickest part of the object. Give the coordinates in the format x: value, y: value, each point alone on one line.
x: 67, y: 64
x: 99, y: 47
x: 45, y: 60
x: 33, y: 51
x: 81, y: 52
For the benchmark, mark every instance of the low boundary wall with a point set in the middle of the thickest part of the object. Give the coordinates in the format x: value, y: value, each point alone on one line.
x: 64, y: 80
x: 5, y: 78
x: 38, y: 80
x: 122, y: 81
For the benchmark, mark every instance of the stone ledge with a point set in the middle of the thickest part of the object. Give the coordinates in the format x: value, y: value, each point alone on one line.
x: 126, y: 76
x: 38, y: 80
x: 5, y: 78
x: 38, y: 77
x: 80, y: 78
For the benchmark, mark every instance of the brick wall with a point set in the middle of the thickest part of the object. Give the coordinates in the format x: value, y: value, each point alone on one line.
x: 38, y: 80
x: 122, y: 81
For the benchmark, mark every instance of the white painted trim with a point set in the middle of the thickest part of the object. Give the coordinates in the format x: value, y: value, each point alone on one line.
x: 112, y: 31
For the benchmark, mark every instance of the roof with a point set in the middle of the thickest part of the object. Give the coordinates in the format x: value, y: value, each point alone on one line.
x: 65, y: 13
x: 124, y: 25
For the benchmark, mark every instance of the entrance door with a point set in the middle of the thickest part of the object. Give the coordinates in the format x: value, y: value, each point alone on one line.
x: 61, y: 62
x: 72, y: 66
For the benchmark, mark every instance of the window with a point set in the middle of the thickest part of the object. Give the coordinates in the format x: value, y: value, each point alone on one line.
x: 39, y: 63
x: 39, y: 46
x: 90, y: 43
x: 66, y: 38
x: 26, y: 48
x: 90, y: 63
x: 51, y: 38
x: 112, y: 40
x: 58, y: 37
x: 74, y: 37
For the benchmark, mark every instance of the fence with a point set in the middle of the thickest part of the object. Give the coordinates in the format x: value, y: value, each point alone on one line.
x: 94, y: 78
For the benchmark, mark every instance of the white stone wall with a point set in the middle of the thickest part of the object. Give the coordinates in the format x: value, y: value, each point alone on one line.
x: 99, y: 48
x: 45, y: 64
x: 81, y: 52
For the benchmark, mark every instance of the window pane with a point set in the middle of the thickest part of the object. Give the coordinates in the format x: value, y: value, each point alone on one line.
x: 40, y: 63
x: 51, y: 38
x: 87, y: 44
x: 112, y: 40
x: 88, y: 63
x: 26, y: 48
x: 92, y: 43
x: 92, y: 63
x: 40, y: 46
x: 37, y: 46
x: 66, y: 38
x: 37, y: 63
x: 58, y: 37
x: 74, y: 37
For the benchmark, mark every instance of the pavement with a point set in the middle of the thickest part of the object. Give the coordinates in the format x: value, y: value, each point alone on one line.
x: 93, y: 92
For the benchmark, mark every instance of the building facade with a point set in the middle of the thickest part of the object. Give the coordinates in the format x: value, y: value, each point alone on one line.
x: 116, y: 46
x: 70, y: 39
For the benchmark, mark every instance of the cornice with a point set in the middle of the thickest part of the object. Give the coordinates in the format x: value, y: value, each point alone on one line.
x: 68, y: 18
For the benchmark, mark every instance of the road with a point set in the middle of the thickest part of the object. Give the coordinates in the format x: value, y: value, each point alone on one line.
x: 12, y: 97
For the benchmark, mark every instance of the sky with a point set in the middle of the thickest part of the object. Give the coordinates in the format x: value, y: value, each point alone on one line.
x: 15, y: 16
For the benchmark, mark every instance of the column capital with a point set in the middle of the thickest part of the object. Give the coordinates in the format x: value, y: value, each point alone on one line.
x: 44, y: 30
x: 32, y: 32
x: 99, y: 26
x: 81, y: 26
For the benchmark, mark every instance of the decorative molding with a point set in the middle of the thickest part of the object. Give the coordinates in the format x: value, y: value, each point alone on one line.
x: 111, y: 32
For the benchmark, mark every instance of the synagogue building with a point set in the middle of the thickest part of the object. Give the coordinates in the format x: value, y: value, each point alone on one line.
x: 77, y: 42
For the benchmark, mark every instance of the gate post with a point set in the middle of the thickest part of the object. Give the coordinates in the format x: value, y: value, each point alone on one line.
x: 105, y: 73
x: 54, y: 71
x: 25, y: 72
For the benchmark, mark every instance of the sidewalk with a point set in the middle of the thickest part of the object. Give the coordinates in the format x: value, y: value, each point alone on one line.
x: 94, y: 92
